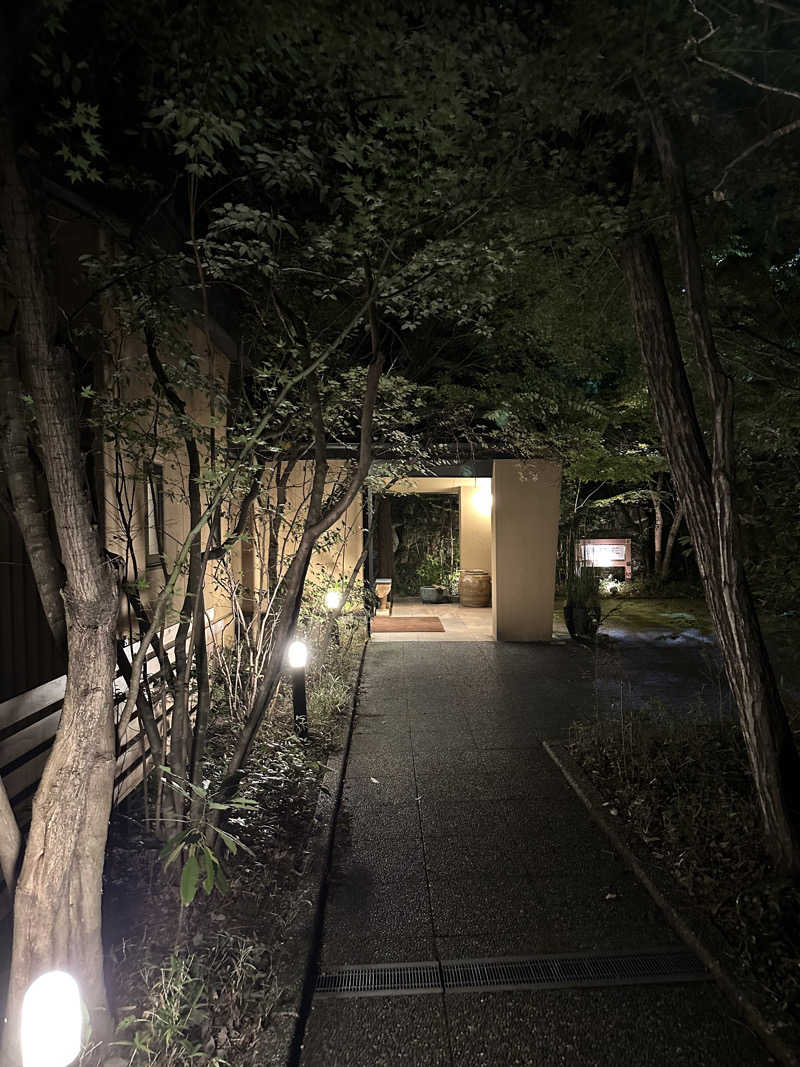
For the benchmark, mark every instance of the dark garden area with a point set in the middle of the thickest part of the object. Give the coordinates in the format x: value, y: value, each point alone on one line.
x: 399, y: 448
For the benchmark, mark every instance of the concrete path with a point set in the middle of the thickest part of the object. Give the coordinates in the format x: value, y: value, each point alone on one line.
x: 458, y: 838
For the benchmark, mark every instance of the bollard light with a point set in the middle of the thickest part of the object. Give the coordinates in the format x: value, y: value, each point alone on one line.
x: 52, y: 1021
x: 297, y: 658
x: 333, y: 600
x: 297, y: 655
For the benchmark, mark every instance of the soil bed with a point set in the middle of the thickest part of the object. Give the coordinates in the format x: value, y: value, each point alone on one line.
x: 198, y: 984
x: 684, y: 789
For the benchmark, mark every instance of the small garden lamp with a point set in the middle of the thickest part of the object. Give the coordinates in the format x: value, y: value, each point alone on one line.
x: 52, y: 1021
x: 333, y: 602
x: 297, y: 658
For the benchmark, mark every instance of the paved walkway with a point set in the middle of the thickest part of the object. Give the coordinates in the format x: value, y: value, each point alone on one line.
x: 458, y: 838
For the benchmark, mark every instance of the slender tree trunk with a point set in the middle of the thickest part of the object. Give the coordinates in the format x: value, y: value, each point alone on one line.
x: 658, y: 529
x: 57, y: 905
x: 705, y: 491
x: 10, y: 842
x: 672, y: 538
x: 21, y: 479
x: 316, y: 524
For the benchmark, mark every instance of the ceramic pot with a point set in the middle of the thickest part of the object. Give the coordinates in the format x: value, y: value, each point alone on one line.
x: 582, y: 621
x: 431, y: 594
x: 475, y: 589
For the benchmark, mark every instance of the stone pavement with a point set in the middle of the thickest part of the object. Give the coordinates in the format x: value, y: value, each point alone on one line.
x: 458, y: 838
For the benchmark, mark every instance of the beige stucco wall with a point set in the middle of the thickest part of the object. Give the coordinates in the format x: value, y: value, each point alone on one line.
x: 524, y: 545
x: 475, y: 525
x: 338, y: 550
x: 124, y: 474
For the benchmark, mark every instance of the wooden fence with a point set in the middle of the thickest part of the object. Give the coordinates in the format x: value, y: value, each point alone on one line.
x: 28, y: 725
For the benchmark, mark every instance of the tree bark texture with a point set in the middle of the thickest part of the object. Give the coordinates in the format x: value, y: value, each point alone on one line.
x: 672, y: 538
x: 57, y: 905
x: 658, y: 533
x: 21, y: 478
x: 706, y: 494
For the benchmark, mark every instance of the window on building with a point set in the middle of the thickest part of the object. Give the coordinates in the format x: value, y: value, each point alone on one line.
x: 154, y: 514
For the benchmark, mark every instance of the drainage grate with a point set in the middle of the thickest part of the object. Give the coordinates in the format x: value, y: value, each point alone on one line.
x: 380, y: 980
x: 538, y: 972
x: 550, y: 972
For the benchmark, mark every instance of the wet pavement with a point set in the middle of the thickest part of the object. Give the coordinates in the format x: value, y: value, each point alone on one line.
x: 458, y: 838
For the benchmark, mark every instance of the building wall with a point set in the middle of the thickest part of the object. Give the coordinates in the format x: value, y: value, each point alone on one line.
x: 128, y: 372
x: 524, y: 546
x: 337, y: 552
x: 475, y: 525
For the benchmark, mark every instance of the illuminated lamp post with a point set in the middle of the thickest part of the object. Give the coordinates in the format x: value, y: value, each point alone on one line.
x: 297, y: 658
x: 333, y: 602
x: 52, y: 1021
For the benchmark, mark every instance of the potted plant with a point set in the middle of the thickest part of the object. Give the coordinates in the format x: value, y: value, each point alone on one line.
x: 582, y: 606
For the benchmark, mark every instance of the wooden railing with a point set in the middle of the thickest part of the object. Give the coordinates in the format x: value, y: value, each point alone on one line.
x: 28, y: 725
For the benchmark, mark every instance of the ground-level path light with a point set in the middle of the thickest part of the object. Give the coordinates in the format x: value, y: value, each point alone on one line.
x: 52, y: 1021
x: 333, y: 603
x: 297, y: 658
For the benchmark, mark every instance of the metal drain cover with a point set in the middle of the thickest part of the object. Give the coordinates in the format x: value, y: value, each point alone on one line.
x: 380, y: 980
x: 533, y: 972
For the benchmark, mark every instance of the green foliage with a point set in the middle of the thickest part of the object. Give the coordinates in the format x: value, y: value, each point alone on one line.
x: 194, y: 846
x: 428, y: 549
x: 167, y: 1033
x: 582, y: 588
x: 189, y: 999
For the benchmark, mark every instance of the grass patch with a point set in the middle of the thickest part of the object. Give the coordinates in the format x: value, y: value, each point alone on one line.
x: 685, y: 788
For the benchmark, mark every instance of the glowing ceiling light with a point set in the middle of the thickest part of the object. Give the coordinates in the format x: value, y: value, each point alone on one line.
x: 482, y: 500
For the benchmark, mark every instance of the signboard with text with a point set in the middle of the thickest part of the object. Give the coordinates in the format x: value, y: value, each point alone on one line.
x: 605, y: 552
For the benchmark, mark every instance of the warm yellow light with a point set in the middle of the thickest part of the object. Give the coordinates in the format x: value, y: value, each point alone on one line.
x: 297, y: 655
x: 52, y: 1020
x: 482, y: 500
x: 333, y: 600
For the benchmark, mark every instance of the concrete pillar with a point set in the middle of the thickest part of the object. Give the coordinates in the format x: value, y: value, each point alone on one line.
x: 524, y: 546
x: 475, y: 525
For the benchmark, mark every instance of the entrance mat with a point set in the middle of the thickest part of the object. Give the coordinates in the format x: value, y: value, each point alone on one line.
x: 537, y: 972
x: 406, y: 624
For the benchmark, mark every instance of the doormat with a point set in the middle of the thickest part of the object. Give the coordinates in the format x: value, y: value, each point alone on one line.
x: 406, y: 624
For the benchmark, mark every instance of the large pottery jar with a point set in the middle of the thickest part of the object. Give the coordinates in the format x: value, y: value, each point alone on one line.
x: 583, y: 620
x: 475, y: 589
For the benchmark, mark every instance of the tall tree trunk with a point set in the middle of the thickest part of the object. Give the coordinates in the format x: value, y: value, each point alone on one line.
x: 705, y: 491
x: 658, y: 528
x: 57, y: 905
x: 21, y: 478
x: 672, y: 538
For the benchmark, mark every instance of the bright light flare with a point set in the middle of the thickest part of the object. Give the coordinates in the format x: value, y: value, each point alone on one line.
x: 297, y: 655
x: 482, y: 500
x: 333, y: 600
x: 52, y: 1021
